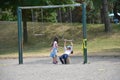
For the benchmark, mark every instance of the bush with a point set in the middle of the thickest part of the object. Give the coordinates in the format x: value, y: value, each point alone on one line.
x: 7, y: 15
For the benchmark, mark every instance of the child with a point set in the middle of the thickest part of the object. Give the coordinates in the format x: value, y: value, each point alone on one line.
x: 54, y: 50
x: 68, y: 51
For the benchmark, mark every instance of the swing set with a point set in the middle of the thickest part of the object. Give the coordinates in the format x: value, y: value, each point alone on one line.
x: 34, y: 14
x: 34, y: 19
x: 38, y: 14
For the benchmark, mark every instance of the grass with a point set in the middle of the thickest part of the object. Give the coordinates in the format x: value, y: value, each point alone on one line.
x: 104, y: 42
x: 98, y: 40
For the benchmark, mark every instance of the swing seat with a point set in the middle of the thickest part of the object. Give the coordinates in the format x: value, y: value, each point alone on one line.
x: 39, y: 34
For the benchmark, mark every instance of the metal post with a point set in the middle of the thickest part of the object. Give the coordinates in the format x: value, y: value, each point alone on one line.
x: 20, y: 40
x: 84, y: 32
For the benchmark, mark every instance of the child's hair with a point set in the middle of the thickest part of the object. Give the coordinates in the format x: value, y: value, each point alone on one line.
x: 68, y: 47
x: 71, y: 52
x: 55, y: 39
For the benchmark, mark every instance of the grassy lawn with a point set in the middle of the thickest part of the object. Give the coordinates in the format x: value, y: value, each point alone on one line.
x: 98, y: 40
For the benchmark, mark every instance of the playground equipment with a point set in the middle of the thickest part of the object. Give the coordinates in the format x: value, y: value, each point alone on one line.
x: 20, y: 36
x: 35, y: 20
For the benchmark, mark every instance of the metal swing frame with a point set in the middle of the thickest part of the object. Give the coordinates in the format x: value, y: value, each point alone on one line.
x: 20, y: 32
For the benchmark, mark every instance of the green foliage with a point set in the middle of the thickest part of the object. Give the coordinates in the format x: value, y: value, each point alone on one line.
x: 52, y: 17
x: 33, y: 2
x: 59, y: 2
x: 89, y: 4
x: 45, y: 2
x: 7, y: 15
x: 96, y: 7
x: 97, y: 4
x: 12, y: 5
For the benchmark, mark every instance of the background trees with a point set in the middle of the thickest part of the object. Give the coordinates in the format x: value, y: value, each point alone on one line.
x: 93, y: 7
x: 116, y: 9
x: 104, y: 7
x: 105, y: 16
x: 97, y: 11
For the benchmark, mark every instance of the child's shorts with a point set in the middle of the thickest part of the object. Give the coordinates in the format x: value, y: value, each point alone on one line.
x: 64, y: 56
x: 53, y: 53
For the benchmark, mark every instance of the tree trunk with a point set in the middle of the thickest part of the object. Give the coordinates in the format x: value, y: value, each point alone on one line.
x: 25, y: 33
x: 106, y: 18
x: 102, y: 15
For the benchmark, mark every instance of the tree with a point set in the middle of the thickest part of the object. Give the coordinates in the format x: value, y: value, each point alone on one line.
x: 116, y: 9
x: 106, y: 18
x: 102, y: 7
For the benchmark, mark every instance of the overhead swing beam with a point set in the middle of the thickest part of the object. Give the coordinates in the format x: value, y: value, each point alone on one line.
x: 20, y: 32
x: 51, y: 6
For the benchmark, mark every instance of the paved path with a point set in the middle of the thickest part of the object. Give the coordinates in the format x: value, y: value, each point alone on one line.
x: 98, y: 68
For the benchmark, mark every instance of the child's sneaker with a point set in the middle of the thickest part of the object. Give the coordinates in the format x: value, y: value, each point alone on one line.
x: 55, y: 62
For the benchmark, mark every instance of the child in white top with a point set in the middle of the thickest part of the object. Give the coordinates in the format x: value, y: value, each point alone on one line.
x: 68, y: 51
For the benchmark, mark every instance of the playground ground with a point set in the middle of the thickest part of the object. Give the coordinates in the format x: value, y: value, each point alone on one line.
x: 97, y: 68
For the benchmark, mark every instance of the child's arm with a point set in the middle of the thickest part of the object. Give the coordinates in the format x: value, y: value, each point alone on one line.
x: 71, y: 43
x: 65, y: 43
x: 71, y: 47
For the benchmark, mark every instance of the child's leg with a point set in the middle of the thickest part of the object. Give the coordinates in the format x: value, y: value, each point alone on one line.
x: 55, y: 60
x: 61, y: 59
x: 54, y: 56
x: 65, y: 58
